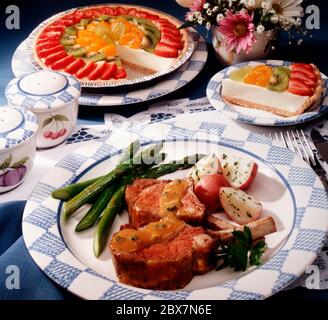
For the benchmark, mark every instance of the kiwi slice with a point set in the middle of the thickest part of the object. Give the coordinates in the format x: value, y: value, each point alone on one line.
x: 97, y: 57
x: 84, y: 22
x: 153, y: 30
x: 103, y: 18
x: 68, y: 40
x: 115, y: 60
x: 71, y: 31
x: 279, y: 80
x: 148, y: 42
x: 128, y: 18
x: 240, y: 74
x: 78, y: 53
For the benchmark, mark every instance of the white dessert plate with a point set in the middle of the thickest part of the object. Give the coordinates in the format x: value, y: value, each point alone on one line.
x: 259, y: 117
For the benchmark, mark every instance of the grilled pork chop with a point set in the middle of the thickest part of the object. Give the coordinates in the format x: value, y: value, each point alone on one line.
x: 144, y: 198
x: 164, y: 255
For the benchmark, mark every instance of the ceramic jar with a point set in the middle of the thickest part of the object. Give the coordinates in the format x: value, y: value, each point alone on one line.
x: 260, y: 49
x: 18, y: 129
x: 53, y: 98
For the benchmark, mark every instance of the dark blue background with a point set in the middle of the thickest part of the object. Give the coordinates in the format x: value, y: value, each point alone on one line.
x: 34, y: 12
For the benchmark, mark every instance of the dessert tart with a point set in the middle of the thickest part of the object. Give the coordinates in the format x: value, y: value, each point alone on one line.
x: 110, y: 43
x: 284, y: 91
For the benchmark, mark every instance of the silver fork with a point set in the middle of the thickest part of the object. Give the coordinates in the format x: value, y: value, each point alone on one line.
x: 297, y: 142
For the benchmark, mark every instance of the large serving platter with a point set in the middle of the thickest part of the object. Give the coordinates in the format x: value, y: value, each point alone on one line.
x: 288, y: 188
x: 260, y: 117
x: 138, y: 78
x: 22, y: 65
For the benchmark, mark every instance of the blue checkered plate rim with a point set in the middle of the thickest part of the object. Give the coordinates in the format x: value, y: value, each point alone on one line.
x: 190, y: 35
x: 299, y: 206
x: 259, y: 117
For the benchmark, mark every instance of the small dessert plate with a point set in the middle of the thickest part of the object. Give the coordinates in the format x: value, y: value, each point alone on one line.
x: 17, y: 146
x: 259, y: 117
x: 53, y: 98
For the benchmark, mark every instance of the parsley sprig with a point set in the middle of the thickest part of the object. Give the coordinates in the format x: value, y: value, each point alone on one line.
x: 241, y: 251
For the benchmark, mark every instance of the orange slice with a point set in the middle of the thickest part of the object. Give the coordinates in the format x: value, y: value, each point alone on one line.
x: 109, y: 50
x: 130, y: 40
x: 259, y: 76
x: 96, y: 45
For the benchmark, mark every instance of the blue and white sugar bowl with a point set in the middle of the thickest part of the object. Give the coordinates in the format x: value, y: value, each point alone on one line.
x: 53, y: 98
x: 18, y: 129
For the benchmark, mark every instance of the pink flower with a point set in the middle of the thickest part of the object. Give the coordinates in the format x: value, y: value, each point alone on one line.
x: 197, y: 5
x: 238, y: 31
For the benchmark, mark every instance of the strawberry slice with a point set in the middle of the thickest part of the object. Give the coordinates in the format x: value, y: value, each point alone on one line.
x: 301, y: 66
x: 167, y: 36
x: 47, y: 52
x: 309, y: 74
x: 49, y: 36
x: 63, y: 63
x: 109, y: 72
x: 131, y: 12
x: 47, y: 45
x: 173, y: 32
x: 120, y: 11
x: 141, y: 14
x: 173, y: 44
x: 66, y: 21
x: 303, y: 77
x: 163, y: 50
x: 120, y: 73
x: 75, y: 66
x: 54, y: 28
x: 107, y: 11
x: 152, y: 17
x: 86, y: 70
x: 77, y: 16
x: 52, y: 58
x: 96, y: 73
x: 299, y: 88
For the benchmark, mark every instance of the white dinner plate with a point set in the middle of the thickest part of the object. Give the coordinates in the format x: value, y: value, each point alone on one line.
x: 260, y: 117
x: 288, y: 188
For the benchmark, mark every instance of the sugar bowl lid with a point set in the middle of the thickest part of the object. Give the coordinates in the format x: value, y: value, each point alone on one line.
x: 42, y: 90
x: 17, y: 125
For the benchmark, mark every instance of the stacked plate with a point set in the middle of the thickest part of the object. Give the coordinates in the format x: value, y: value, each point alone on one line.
x: 124, y: 92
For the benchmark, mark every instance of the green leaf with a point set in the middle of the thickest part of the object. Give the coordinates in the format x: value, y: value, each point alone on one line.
x: 60, y: 118
x: 20, y: 163
x: 237, y: 254
x: 237, y: 257
x: 47, y: 122
x: 186, y: 25
x: 256, y: 253
x: 6, y: 163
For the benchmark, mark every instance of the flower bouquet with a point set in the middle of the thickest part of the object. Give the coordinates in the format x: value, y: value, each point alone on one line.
x: 246, y: 29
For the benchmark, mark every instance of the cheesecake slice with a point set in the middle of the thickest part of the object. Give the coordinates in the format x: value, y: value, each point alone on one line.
x: 284, y: 91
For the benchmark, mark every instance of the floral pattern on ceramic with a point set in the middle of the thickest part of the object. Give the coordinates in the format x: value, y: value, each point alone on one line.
x: 56, y: 123
x: 17, y: 146
x: 12, y: 173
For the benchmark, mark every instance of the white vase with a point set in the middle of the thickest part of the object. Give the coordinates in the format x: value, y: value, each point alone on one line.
x: 260, y: 50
